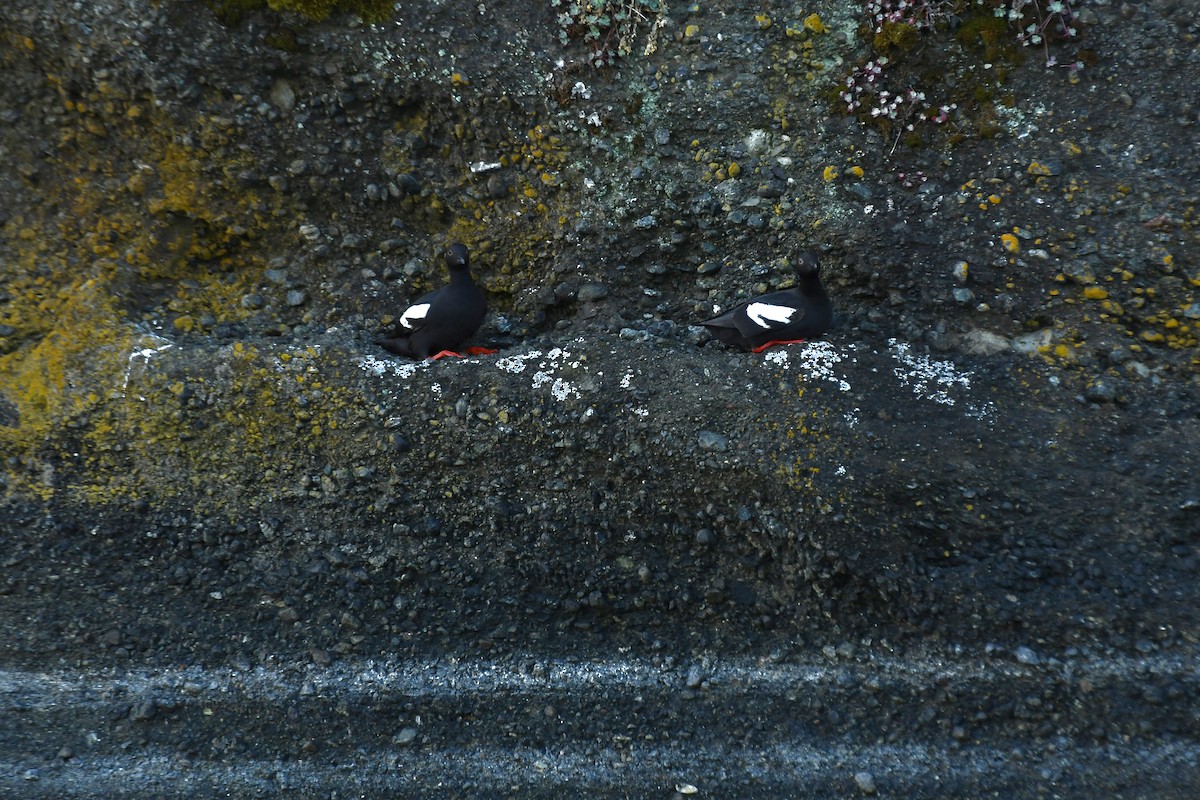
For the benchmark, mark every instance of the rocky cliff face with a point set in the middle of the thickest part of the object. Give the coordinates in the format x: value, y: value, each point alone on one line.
x: 205, y: 224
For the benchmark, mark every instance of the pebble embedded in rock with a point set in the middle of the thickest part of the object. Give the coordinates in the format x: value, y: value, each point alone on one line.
x: 497, y: 187
x: 143, y: 711
x: 592, y: 291
x: 710, y: 440
x: 283, y: 96
x: 408, y: 183
x: 1026, y: 655
x: 1101, y: 390
x: 865, y: 782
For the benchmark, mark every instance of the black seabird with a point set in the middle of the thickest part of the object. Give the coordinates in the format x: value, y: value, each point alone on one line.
x: 784, y: 317
x: 439, y: 322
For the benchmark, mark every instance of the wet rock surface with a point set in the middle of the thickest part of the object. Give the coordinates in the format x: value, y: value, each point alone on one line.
x: 947, y: 550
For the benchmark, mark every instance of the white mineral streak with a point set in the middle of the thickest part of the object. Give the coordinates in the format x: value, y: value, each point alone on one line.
x: 545, y: 365
x: 928, y: 379
x: 817, y: 360
x: 148, y: 345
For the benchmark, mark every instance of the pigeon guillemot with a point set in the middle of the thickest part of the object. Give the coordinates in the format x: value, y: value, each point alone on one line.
x: 783, y: 317
x: 440, y: 321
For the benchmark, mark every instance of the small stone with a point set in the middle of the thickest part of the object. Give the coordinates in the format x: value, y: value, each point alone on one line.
x: 1026, y: 655
x: 405, y: 737
x: 710, y: 440
x: 408, y: 183
x: 1081, y: 274
x: 497, y: 187
x: 143, y: 711
x: 1044, y: 168
x: 704, y: 536
x: 592, y: 291
x: 646, y: 222
x: 963, y: 295
x: 959, y: 270
x: 283, y: 96
x: 1101, y: 390
x: 296, y: 298
x: 695, y: 677
x: 865, y: 782
x: 253, y: 301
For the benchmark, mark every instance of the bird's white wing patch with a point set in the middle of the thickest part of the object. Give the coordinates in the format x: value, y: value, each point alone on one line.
x: 766, y: 315
x: 413, y: 315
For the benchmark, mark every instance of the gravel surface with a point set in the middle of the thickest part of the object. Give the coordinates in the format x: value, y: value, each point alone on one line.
x: 524, y: 727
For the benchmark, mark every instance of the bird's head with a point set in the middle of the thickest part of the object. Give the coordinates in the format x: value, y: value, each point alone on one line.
x: 456, y: 257
x: 806, y: 265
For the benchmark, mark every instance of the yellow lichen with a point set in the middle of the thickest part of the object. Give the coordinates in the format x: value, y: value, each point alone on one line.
x: 813, y: 23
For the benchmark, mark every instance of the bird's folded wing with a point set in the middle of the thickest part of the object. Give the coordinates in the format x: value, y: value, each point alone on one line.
x: 760, y: 317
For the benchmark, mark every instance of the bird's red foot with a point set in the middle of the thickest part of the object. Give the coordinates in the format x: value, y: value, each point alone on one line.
x: 762, y: 347
x: 470, y: 351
